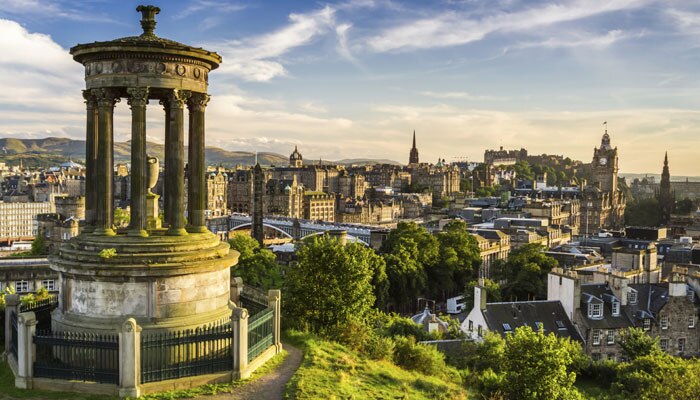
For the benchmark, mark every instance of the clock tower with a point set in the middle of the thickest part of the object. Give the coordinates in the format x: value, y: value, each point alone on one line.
x: 605, y: 166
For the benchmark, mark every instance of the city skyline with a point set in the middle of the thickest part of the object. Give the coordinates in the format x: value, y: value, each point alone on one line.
x: 354, y: 79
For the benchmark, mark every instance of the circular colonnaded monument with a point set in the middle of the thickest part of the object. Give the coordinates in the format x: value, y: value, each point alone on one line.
x: 170, y: 278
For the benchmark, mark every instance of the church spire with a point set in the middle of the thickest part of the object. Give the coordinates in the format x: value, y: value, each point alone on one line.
x: 665, y: 196
x: 413, y: 156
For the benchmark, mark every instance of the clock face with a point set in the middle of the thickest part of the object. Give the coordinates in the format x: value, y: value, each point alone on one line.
x: 603, y: 160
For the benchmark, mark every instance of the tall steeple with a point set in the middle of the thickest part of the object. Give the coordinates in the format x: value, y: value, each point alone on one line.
x: 413, y: 156
x: 665, y: 197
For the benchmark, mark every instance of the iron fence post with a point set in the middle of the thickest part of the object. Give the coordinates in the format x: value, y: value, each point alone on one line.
x: 11, y: 305
x: 239, y: 326
x: 274, y: 298
x: 129, y: 359
x: 26, y: 354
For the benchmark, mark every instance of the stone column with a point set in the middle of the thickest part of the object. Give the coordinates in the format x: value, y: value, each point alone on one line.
x: 168, y: 139
x: 26, y: 327
x: 130, y: 359
x: 196, y: 188
x: 138, y: 98
x: 236, y: 290
x: 11, y: 305
x: 90, y: 160
x: 175, y: 163
x: 239, y: 325
x: 106, y: 99
x: 274, y: 299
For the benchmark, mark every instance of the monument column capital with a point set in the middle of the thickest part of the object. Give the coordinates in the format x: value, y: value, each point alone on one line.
x: 90, y: 99
x: 106, y: 97
x: 177, y: 98
x: 198, y: 101
x: 138, y: 96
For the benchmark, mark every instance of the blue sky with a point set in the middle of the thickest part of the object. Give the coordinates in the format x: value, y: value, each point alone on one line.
x: 352, y: 79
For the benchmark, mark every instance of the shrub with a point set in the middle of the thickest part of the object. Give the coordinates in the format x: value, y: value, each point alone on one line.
x: 108, y: 253
x: 400, y: 326
x: 604, y: 373
x: 417, y: 357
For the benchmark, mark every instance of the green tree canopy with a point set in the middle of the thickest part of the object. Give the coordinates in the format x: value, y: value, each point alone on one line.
x: 331, y: 285
x: 658, y: 376
x: 539, y: 366
x: 643, y: 212
x: 258, y: 267
x: 685, y: 206
x: 636, y: 343
x: 525, y: 273
x: 458, y: 260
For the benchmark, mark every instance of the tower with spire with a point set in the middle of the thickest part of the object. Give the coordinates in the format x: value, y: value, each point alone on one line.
x: 295, y: 159
x: 665, y: 196
x: 413, y: 156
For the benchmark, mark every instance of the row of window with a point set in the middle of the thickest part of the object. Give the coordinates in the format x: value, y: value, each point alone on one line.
x: 664, y: 323
x: 665, y: 343
x: 597, y: 337
x: 22, y: 286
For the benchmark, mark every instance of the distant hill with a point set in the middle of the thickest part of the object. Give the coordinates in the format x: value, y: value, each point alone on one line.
x: 51, y: 151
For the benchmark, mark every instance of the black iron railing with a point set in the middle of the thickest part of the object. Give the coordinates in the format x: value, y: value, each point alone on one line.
x: 254, y: 300
x: 46, y: 304
x: 77, y: 356
x: 179, y: 354
x: 260, y: 335
x: 13, y: 332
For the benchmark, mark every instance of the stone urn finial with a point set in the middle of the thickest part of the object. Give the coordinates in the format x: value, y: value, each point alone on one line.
x: 152, y: 172
x: 148, y: 19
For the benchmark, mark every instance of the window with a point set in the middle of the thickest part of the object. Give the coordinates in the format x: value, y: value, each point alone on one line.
x: 647, y: 324
x: 611, y: 337
x: 681, y: 345
x: 691, y: 321
x: 479, y: 330
x: 539, y: 325
x: 632, y: 296
x: 506, y: 327
x: 663, y: 342
x: 596, y: 337
x: 690, y: 293
x: 471, y: 325
x: 615, y: 308
x: 595, y: 310
x: 560, y: 325
x: 21, y: 286
x: 49, y: 284
x: 664, y: 322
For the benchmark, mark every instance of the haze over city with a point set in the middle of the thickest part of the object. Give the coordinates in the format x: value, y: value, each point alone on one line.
x: 354, y: 79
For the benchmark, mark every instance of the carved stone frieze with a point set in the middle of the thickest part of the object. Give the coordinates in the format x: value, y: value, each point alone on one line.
x: 179, y: 69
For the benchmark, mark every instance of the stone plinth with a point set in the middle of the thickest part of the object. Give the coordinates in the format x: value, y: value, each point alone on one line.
x: 163, y: 282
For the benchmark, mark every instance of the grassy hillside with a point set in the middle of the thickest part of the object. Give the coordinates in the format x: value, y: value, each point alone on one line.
x: 332, y: 371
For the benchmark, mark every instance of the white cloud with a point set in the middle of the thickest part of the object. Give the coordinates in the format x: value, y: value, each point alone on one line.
x: 257, y: 58
x: 456, y: 28
x: 580, y: 40
x: 458, y: 96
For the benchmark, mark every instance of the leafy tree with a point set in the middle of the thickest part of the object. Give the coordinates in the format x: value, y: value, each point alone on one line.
x: 425, y: 241
x: 331, y: 285
x: 643, y: 212
x: 525, y: 272
x: 406, y: 275
x: 256, y: 266
x: 658, y: 376
x: 635, y: 343
x: 493, y: 292
x: 39, y: 245
x: 523, y: 171
x: 458, y: 260
x: 685, y: 206
x: 539, y: 366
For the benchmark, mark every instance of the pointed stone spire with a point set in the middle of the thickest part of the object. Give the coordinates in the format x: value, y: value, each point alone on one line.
x: 665, y: 197
x: 413, y: 155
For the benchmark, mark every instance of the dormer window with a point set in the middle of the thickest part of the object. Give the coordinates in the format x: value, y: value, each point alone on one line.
x: 595, y: 310
x: 615, y: 308
x: 632, y: 296
x: 647, y: 324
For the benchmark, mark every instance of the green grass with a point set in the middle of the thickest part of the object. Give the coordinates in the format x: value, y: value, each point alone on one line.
x: 217, y: 388
x: 332, y: 371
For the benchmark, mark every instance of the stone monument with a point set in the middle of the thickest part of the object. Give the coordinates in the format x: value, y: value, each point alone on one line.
x: 175, y: 277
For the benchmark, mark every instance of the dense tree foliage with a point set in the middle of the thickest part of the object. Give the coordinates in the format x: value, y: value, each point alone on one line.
x: 331, y: 285
x: 257, y: 266
x: 525, y: 273
x: 636, y: 343
x: 458, y: 261
x: 643, y: 212
x: 685, y: 206
x: 658, y: 376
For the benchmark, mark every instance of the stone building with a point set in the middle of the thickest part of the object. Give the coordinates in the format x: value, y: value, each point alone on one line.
x: 603, y: 203
x: 18, y: 219
x: 493, y: 244
x: 603, y: 309
x: 27, y: 275
x: 217, y: 192
x: 318, y: 206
